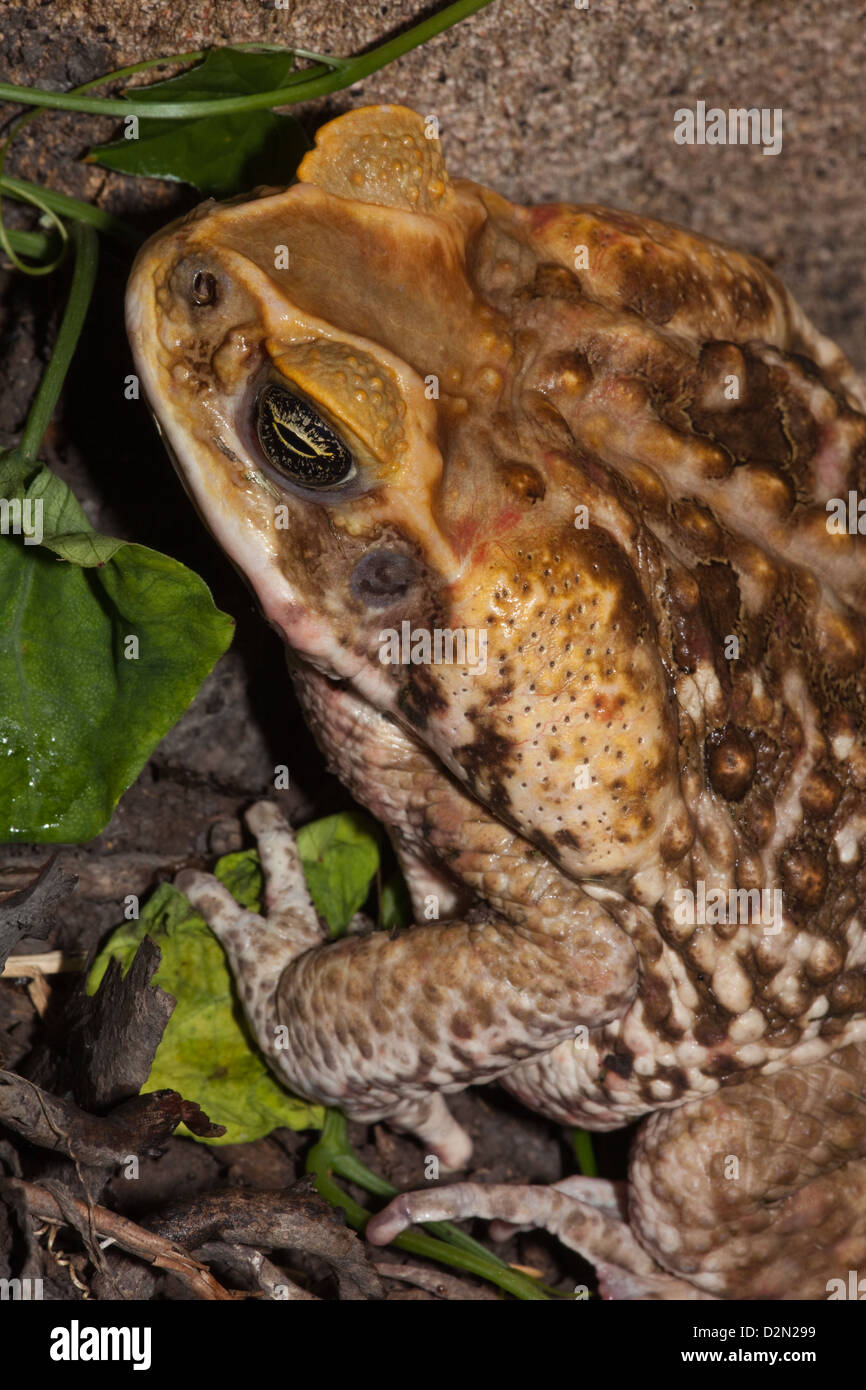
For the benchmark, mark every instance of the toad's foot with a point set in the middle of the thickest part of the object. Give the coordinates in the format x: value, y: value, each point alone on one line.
x: 380, y: 1025
x: 757, y: 1192
x: 259, y: 950
x: 584, y: 1213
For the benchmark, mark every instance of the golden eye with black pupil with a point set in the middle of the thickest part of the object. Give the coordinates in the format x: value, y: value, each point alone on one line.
x: 298, y: 442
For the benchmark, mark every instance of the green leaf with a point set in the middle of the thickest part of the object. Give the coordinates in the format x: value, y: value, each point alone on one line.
x: 64, y: 527
x: 80, y: 713
x: 220, y: 154
x: 242, y: 875
x: 206, y: 1052
x: 340, y: 855
x: 224, y: 72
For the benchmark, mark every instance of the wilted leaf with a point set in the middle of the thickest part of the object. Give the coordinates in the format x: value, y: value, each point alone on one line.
x: 206, y: 1051
x: 81, y: 709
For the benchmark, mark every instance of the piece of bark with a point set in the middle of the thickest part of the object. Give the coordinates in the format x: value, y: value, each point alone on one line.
x: 30, y: 911
x: 138, y: 1126
x: 276, y: 1220
x: 102, y: 1051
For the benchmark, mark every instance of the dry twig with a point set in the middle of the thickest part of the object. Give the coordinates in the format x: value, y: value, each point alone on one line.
x: 161, y: 1253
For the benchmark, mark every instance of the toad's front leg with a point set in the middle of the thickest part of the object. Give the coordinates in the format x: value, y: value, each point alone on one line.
x: 380, y: 1025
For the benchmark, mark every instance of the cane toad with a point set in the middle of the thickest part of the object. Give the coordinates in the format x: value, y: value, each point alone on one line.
x: 540, y: 500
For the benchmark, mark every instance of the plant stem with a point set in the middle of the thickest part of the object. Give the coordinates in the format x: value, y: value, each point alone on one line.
x: 83, y: 212
x: 349, y: 72
x: 35, y: 244
x: 195, y: 55
x: 79, y: 211
x: 85, y: 243
x: 11, y: 245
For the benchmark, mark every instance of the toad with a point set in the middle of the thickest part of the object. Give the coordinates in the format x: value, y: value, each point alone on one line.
x: 601, y: 449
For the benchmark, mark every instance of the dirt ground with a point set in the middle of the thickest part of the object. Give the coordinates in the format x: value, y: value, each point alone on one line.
x: 543, y: 101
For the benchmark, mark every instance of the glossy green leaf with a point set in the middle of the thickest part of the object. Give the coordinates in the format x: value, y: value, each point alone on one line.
x: 340, y: 855
x: 222, y: 154
x: 100, y: 654
x: 223, y: 72
x: 206, y: 1052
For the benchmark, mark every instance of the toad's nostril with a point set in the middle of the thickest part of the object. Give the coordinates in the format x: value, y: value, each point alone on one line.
x: 204, y: 287
x: 382, y: 577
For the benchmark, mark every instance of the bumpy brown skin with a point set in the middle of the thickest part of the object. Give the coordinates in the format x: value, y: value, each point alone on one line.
x: 608, y: 444
x: 760, y: 1190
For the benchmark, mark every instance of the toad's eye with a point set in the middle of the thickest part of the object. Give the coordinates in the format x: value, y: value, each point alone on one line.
x: 298, y: 442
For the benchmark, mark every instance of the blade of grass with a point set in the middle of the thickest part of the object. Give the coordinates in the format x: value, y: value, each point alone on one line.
x: 350, y: 1167
x: 445, y: 1244
x: 582, y: 1141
